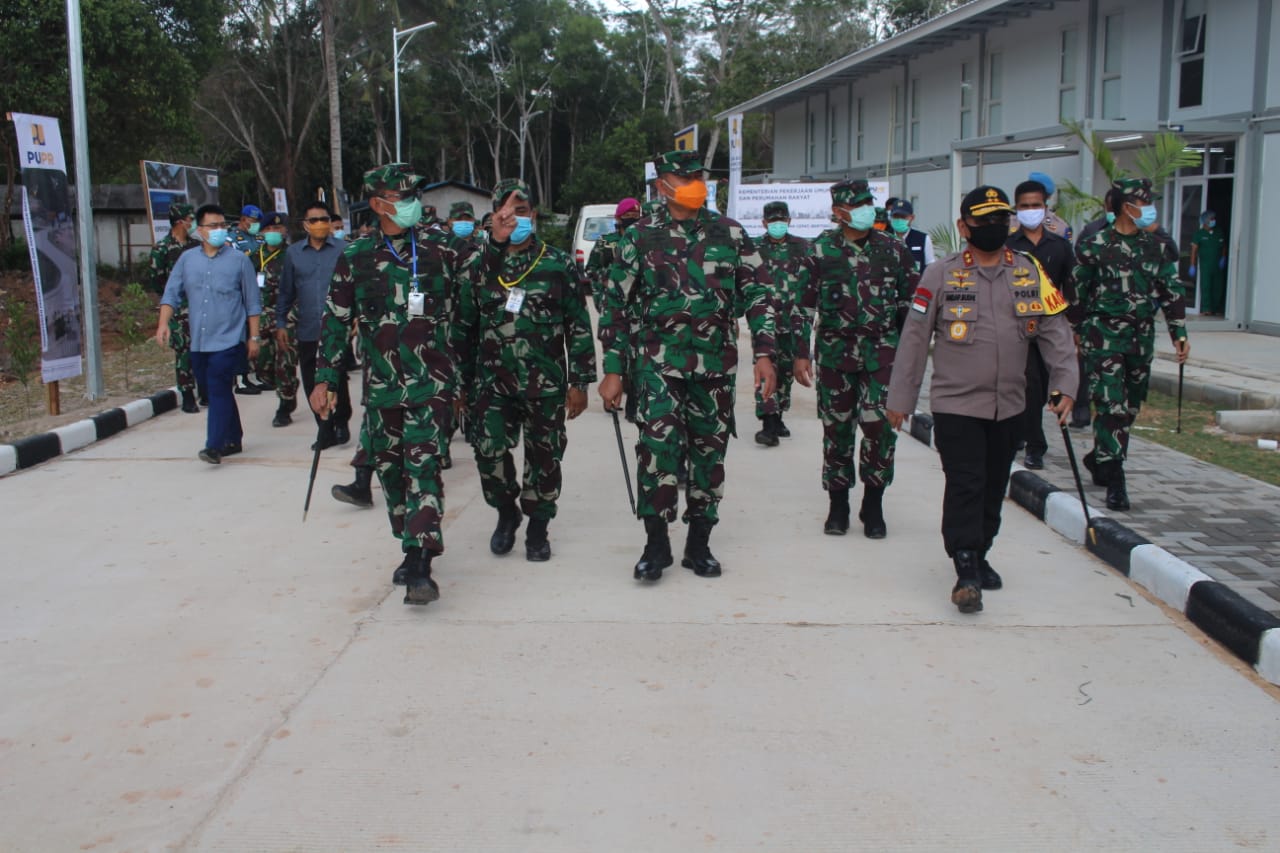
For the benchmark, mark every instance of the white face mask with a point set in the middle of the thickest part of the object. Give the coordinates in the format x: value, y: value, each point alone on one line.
x: 1031, y: 218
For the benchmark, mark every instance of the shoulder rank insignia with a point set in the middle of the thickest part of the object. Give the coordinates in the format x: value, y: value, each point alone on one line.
x: 1008, y: 257
x: 967, y: 257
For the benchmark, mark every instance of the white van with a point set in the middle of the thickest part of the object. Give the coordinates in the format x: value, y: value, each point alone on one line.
x: 594, y: 221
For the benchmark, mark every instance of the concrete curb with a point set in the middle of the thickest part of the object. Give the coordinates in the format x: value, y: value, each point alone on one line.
x: 34, y: 449
x: 1249, y: 632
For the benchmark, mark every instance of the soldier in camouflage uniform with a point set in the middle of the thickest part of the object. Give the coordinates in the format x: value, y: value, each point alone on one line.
x: 462, y: 229
x: 626, y: 214
x: 1122, y: 278
x: 397, y: 286
x: 677, y: 283
x: 785, y: 256
x: 519, y: 316
x: 860, y: 292
x: 277, y: 361
x: 163, y: 257
x: 245, y: 237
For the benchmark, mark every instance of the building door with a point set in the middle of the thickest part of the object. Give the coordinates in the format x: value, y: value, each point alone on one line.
x: 1209, y: 186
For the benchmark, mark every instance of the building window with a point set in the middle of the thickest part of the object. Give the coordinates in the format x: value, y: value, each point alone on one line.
x: 834, y: 141
x: 915, y: 114
x: 1067, y: 75
x: 896, y: 114
x: 966, y: 101
x: 995, y: 93
x: 1112, y: 45
x: 857, y: 137
x: 1191, y: 55
x: 813, y: 139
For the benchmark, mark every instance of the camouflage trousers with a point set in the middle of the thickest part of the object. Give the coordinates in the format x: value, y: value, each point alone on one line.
x: 404, y: 444
x: 495, y: 429
x: 180, y: 343
x: 847, y: 400
x: 278, y: 365
x: 783, y: 364
x: 678, y: 415
x: 1118, y: 387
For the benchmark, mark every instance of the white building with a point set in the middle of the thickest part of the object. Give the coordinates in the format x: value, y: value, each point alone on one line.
x: 978, y: 96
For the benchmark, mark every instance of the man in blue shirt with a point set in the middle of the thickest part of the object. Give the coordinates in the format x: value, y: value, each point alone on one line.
x: 221, y: 292
x: 308, y: 269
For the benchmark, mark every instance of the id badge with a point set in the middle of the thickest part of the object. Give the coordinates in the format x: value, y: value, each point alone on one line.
x: 262, y: 279
x: 416, y: 303
x: 515, y: 299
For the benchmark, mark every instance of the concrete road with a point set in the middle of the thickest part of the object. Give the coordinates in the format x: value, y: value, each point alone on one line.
x: 188, y: 666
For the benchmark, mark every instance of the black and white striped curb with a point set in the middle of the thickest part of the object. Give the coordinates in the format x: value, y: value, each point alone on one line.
x: 34, y: 449
x: 1249, y: 632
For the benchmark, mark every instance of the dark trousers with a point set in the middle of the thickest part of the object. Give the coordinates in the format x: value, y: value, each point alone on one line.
x: 307, y: 362
x: 216, y: 373
x: 976, y: 455
x: 1037, y: 396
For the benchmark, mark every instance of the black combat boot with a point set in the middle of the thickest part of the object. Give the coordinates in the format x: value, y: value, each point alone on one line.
x: 1090, y: 461
x: 1117, y: 495
x: 657, y: 551
x: 966, y: 595
x: 189, y: 401
x: 989, y: 577
x: 283, y: 417
x: 419, y: 587
x: 837, y: 523
x: 401, y: 573
x: 697, y: 551
x: 536, y: 547
x: 872, y: 512
x: 359, y: 492
x: 504, y: 535
x: 780, y: 429
x: 768, y: 436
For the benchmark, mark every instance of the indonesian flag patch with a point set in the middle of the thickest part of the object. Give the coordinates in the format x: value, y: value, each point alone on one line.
x: 920, y: 302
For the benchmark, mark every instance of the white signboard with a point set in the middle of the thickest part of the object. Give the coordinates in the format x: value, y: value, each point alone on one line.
x: 281, y: 200
x: 810, y: 205
x: 735, y: 162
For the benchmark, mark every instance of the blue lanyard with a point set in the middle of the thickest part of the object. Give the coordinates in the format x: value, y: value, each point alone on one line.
x: 413, y: 246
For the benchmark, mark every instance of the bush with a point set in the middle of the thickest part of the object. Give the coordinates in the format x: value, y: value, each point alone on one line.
x: 16, y: 257
x: 135, y: 309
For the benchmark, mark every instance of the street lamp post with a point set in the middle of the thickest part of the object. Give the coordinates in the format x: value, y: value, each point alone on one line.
x: 396, y: 48
x: 524, y: 132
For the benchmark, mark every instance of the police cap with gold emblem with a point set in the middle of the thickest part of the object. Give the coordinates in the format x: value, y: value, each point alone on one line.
x: 985, y: 201
x: 852, y: 193
x: 393, y: 176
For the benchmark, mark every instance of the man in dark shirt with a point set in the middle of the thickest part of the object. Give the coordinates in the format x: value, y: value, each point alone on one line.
x: 1057, y: 259
x: 308, y: 269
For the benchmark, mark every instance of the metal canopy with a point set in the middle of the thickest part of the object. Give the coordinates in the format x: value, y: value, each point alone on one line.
x: 940, y: 32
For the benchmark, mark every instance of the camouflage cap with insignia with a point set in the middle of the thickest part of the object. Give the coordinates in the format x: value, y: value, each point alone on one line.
x: 688, y: 163
x: 851, y: 193
x: 1135, y: 189
x: 180, y: 210
x: 393, y: 176
x: 461, y: 208
x: 506, y: 187
x: 776, y: 210
x: 984, y: 201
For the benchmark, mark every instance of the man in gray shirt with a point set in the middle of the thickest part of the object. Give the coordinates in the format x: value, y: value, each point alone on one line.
x: 221, y: 293
x: 308, y: 269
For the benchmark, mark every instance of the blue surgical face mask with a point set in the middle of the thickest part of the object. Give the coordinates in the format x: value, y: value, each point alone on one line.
x: 339, y: 234
x: 862, y: 218
x: 777, y: 230
x: 1148, y: 217
x: 1111, y: 218
x: 524, y: 227
x: 273, y: 238
x: 464, y: 228
x: 217, y: 237
x: 254, y: 228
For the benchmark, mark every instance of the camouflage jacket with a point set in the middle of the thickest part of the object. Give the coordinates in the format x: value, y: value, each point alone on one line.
x: 409, y: 358
x: 598, y: 263
x: 860, y: 296
x: 269, y: 264
x: 674, y: 290
x: 1121, y: 281
x: 787, y: 261
x: 163, y: 256
x: 524, y: 354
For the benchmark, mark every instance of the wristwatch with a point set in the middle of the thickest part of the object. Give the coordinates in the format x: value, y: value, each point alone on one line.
x: 256, y: 339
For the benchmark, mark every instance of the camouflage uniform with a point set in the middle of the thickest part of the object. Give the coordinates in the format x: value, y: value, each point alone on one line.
x: 163, y: 256
x: 860, y: 296
x: 598, y: 263
x: 1121, y: 280
x: 671, y: 299
x: 786, y: 261
x: 276, y: 364
x: 412, y: 370
x: 516, y: 364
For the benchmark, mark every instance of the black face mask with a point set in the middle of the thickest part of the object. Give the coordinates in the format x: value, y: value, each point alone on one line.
x: 988, y: 238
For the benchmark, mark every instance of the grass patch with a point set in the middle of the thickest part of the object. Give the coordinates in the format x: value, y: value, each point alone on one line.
x: 1201, y: 438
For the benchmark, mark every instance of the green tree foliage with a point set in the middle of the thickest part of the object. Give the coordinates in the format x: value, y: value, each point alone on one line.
x: 22, y: 340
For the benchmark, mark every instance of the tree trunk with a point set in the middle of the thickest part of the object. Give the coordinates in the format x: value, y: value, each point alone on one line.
x: 331, y: 80
x: 669, y: 47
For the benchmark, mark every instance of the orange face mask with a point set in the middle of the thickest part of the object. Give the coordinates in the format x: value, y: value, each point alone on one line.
x: 319, y: 230
x: 691, y: 196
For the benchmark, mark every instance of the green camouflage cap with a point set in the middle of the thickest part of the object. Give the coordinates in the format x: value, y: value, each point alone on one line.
x: 1136, y: 189
x: 180, y: 210
x: 850, y: 193
x: 461, y: 208
x: 776, y: 210
x: 882, y: 216
x: 506, y: 187
x: 393, y: 176
x: 679, y: 163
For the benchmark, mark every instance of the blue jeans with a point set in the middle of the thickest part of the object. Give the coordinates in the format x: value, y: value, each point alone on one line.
x: 216, y: 373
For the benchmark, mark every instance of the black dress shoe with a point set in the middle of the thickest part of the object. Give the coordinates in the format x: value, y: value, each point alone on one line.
x: 1033, y: 461
x: 341, y: 435
x: 213, y: 457
x: 244, y: 386
x: 231, y: 449
x: 189, y: 402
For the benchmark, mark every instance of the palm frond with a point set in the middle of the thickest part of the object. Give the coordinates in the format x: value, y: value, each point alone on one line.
x: 946, y: 239
x: 1075, y: 205
x: 1165, y: 157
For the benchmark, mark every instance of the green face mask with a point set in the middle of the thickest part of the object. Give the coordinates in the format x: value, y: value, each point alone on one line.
x: 777, y: 230
x: 900, y: 226
x: 273, y: 238
x: 408, y: 212
x: 254, y: 228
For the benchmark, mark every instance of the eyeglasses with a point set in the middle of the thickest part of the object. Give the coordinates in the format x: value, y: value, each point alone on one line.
x: 313, y: 220
x: 222, y: 224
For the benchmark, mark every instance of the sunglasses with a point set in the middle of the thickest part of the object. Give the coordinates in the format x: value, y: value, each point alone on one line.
x: 313, y: 220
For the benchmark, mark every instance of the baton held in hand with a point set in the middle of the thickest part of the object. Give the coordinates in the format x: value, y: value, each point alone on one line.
x: 622, y: 452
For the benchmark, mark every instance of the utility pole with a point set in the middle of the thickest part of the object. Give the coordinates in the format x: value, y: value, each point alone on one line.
x: 396, y: 49
x: 94, y: 388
